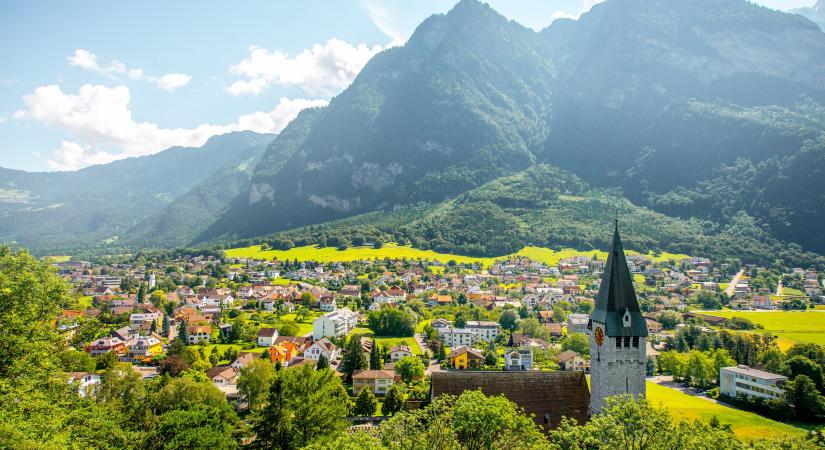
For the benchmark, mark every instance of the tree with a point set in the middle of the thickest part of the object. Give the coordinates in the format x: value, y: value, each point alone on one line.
x: 141, y: 293
x: 393, y: 322
x: 288, y: 328
x: 801, y: 365
x: 196, y: 428
x: 323, y: 363
x: 254, y: 381
x: 376, y: 361
x: 508, y: 319
x: 481, y: 422
x: 214, y: 356
x: 231, y: 354
x: 409, y: 368
x: 365, y: 403
x: 669, y: 319
x: 303, y: 404
x: 805, y: 398
x: 30, y: 295
x: 577, y: 342
x: 709, y: 300
x: 460, y: 320
x: 393, y: 401
x: 353, y: 357
x: 173, y: 365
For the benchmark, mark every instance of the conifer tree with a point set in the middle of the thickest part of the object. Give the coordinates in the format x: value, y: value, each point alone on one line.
x: 393, y: 401
x: 365, y: 403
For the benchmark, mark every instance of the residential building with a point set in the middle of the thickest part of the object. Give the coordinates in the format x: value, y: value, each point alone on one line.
x: 144, y: 348
x: 378, y: 381
x: 518, y: 359
x: 577, y: 323
x: 455, y: 337
x: 485, y: 331
x: 328, y: 304
x: 324, y: 347
x: 743, y: 380
x: 466, y: 358
x: 570, y: 360
x: 105, y: 345
x: 399, y: 352
x: 267, y: 337
x: 86, y: 382
x: 198, y: 333
x: 336, y: 323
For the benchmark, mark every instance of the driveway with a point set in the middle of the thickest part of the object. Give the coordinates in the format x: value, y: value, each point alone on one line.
x: 734, y: 282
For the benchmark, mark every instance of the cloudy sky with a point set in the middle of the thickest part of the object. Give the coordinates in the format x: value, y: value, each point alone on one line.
x: 90, y: 82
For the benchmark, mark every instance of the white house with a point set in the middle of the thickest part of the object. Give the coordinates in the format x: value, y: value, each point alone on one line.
x: 136, y: 319
x: 267, y: 336
x: 485, y: 331
x: 399, y: 352
x: 577, y: 323
x: 336, y: 323
x: 322, y: 347
x: 86, y: 382
x: 328, y: 304
x: 245, y: 291
x: 198, y: 333
x: 751, y: 382
x: 456, y: 337
x: 518, y: 359
x: 226, y: 300
x: 570, y: 360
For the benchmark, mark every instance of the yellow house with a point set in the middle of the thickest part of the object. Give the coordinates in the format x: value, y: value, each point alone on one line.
x: 145, y: 348
x: 466, y: 358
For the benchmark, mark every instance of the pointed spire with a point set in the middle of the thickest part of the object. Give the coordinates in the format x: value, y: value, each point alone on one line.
x: 616, y: 300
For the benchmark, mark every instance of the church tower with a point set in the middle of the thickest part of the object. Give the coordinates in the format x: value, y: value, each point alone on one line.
x: 618, y: 333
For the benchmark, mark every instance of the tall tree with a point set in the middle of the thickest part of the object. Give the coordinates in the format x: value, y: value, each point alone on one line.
x: 353, y: 358
x: 365, y: 403
x: 393, y: 401
x: 376, y: 361
x: 254, y: 381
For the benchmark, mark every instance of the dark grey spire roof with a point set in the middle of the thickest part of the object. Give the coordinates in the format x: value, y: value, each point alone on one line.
x: 617, y: 295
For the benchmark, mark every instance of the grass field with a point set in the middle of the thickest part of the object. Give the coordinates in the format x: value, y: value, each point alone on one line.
x: 389, y: 341
x: 330, y: 254
x: 790, y: 326
x: 59, y: 258
x: 745, y: 424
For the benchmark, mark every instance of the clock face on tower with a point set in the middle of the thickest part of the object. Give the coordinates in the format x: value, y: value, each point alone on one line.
x: 599, y: 336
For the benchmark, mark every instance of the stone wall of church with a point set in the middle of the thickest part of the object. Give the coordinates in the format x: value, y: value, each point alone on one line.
x: 615, y: 371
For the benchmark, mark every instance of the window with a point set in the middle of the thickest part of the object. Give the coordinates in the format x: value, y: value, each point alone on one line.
x: 618, y: 342
x: 635, y: 341
x: 627, y: 341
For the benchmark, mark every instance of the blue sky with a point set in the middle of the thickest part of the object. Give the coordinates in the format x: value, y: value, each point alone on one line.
x: 93, y: 81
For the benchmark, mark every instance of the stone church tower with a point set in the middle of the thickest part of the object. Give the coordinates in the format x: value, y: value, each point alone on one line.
x: 618, y: 333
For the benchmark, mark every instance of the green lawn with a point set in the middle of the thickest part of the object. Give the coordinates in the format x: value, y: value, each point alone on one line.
x: 389, y: 341
x: 271, y: 319
x: 745, y: 424
x: 329, y: 254
x: 59, y: 258
x: 790, y: 326
x: 792, y: 292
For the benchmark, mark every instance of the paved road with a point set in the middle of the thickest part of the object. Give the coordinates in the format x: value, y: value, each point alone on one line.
x: 734, y: 282
x: 779, y: 288
x: 433, y: 366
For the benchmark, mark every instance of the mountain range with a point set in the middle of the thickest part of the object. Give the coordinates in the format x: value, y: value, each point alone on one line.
x: 701, y: 121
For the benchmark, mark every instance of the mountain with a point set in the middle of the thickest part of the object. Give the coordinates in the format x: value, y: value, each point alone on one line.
x: 709, y: 109
x: 815, y: 14
x: 99, y: 205
x: 464, y: 101
x: 546, y: 207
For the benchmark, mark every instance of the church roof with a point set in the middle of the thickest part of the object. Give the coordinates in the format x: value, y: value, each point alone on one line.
x: 548, y: 396
x: 617, y: 296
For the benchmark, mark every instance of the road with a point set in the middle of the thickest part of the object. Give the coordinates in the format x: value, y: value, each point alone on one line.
x: 734, y: 282
x: 433, y: 366
x: 779, y: 288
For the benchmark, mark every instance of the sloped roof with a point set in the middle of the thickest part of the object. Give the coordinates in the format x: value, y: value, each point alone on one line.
x: 548, y: 396
x: 617, y: 295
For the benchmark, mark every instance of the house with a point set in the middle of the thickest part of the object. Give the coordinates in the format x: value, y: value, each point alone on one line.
x: 398, y: 352
x: 336, y: 323
x: 653, y: 326
x: 547, y: 396
x: 198, y: 333
x: 223, y: 376
x: 86, y: 382
x: 440, y: 323
x: 301, y: 342
x: 710, y: 320
x: 466, y: 358
x: 518, y: 359
x: 455, y: 337
x: 486, y: 331
x: 105, y: 345
x: 378, y: 381
x: 743, y: 380
x: 267, y: 337
x: 577, y: 323
x: 545, y: 316
x: 328, y: 304
x: 324, y: 347
x: 243, y: 360
x: 245, y: 291
x: 124, y: 333
x: 138, y: 319
x: 555, y: 329
x: 283, y: 353
x: 144, y: 348
x: 570, y: 360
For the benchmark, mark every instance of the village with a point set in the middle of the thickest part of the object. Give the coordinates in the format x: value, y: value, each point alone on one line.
x: 390, y: 325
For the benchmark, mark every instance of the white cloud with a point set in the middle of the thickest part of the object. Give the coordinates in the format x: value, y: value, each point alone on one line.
x: 323, y: 70
x: 87, y: 60
x: 102, y: 129
x: 385, y: 21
